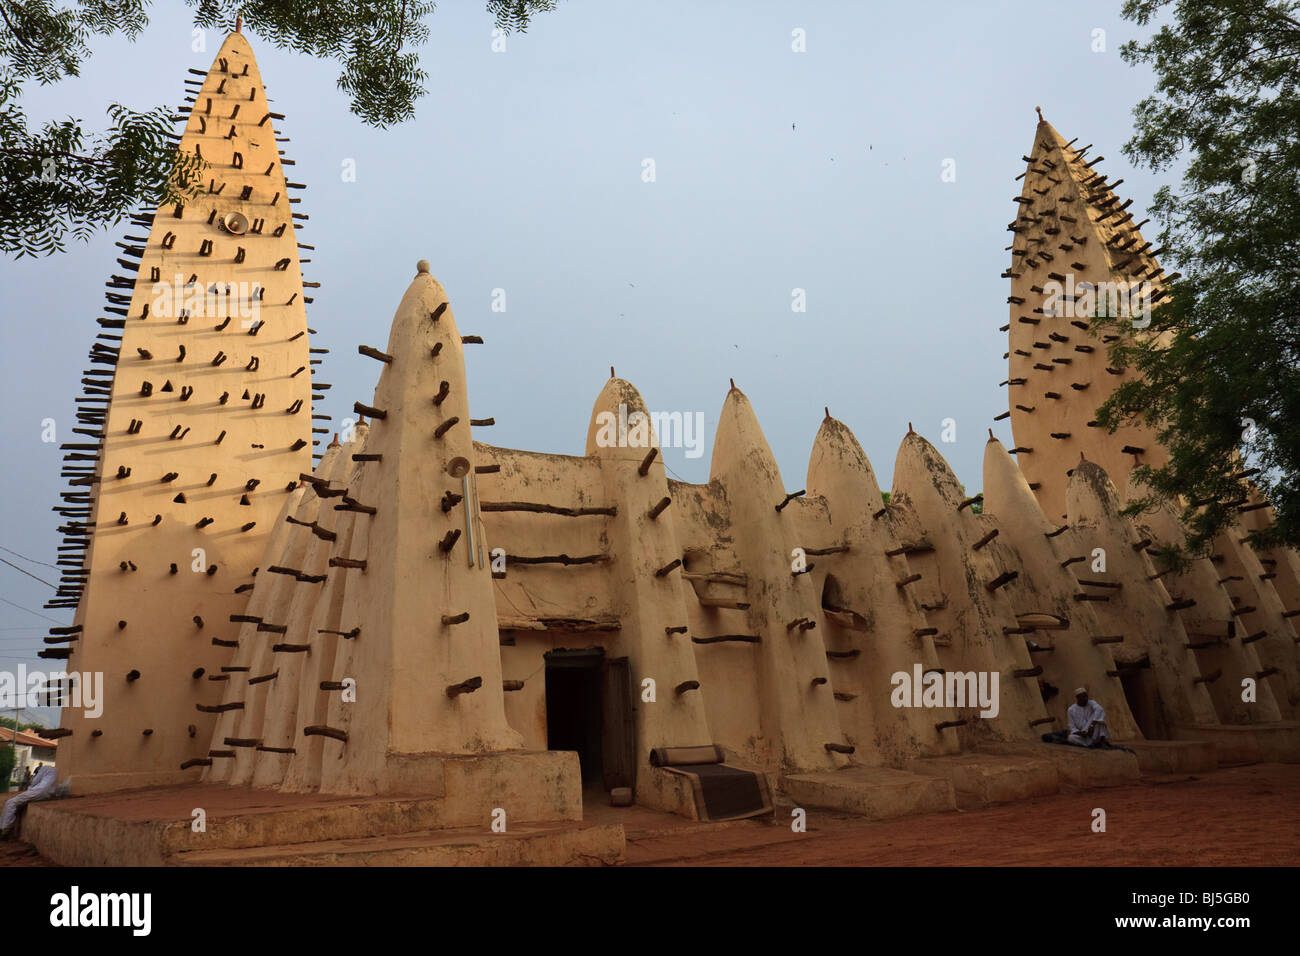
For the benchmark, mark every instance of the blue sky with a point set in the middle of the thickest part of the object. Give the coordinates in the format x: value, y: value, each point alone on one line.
x: 523, y: 171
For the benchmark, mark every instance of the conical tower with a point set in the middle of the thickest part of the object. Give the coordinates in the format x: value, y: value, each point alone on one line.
x: 370, y: 662
x: 971, y: 579
x: 874, y: 628
x: 202, y: 423
x: 1076, y: 254
x: 1154, y: 637
x: 1055, y: 607
x: 646, y: 583
x: 427, y: 665
x: 797, y: 713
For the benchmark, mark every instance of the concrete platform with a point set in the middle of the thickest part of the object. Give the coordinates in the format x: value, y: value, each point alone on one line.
x: 1173, y: 756
x: 986, y: 778
x: 154, y: 828
x: 536, y: 845
x: 1277, y: 742
x: 879, y: 793
x: 1078, y: 766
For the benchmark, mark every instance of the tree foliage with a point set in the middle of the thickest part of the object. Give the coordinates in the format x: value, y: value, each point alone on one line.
x: 61, y: 180
x: 33, y: 726
x: 1220, y: 363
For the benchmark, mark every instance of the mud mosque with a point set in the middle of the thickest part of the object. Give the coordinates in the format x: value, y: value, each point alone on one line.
x: 411, y: 630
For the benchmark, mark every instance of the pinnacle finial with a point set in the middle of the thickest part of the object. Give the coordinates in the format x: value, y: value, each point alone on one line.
x: 733, y: 383
x: 422, y: 267
x: 991, y: 438
x: 1039, y: 111
x: 910, y: 430
x: 239, y: 23
x: 828, y: 412
x: 335, y: 442
x: 611, y: 372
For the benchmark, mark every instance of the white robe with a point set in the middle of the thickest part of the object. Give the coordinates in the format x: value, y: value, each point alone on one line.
x: 42, y: 788
x: 1079, y: 719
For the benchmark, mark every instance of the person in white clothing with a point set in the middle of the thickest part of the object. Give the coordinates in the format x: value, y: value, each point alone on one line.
x: 42, y: 788
x: 1087, y: 721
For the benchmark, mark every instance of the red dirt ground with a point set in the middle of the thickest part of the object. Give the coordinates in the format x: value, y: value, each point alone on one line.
x: 1239, y: 816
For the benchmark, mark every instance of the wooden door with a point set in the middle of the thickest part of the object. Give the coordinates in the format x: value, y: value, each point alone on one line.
x: 619, y: 744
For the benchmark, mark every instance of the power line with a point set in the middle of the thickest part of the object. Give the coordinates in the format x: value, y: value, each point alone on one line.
x: 28, y: 573
x: 25, y: 558
x: 29, y: 610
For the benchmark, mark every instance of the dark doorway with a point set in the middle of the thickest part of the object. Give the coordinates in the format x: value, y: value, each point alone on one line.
x: 574, y: 719
x: 1144, y: 701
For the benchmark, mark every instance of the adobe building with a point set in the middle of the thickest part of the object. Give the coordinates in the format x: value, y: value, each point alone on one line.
x: 423, y: 630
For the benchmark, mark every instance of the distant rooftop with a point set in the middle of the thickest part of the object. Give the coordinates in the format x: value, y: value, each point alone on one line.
x: 27, y: 739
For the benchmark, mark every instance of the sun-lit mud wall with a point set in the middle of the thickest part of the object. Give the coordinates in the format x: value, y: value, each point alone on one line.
x: 207, y: 425
x: 256, y: 741
x: 523, y: 662
x: 1225, y: 652
x: 1078, y: 256
x: 555, y: 589
x: 767, y: 628
x: 1055, y: 598
x: 976, y: 590
x: 1071, y: 228
x: 797, y: 714
x: 771, y: 621
x: 539, y: 606
x: 870, y: 603
x: 1279, y: 573
x: 716, y: 596
x: 1145, y: 614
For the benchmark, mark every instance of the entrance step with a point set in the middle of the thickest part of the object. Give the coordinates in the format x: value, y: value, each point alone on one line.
x: 879, y: 793
x: 1173, y: 756
x: 1078, y: 766
x: 982, y: 778
x: 552, y: 844
x: 144, y: 827
x: 149, y: 827
x: 1275, y: 742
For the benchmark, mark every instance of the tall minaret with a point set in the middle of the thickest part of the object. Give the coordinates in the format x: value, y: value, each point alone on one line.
x: 199, y: 422
x: 1075, y: 242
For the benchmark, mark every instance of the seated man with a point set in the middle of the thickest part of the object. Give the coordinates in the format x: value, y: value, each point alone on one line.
x: 1087, y: 721
x: 42, y: 788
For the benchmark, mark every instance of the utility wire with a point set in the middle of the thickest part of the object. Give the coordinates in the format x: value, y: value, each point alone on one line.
x: 29, y: 610
x: 28, y: 573
x: 25, y: 558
